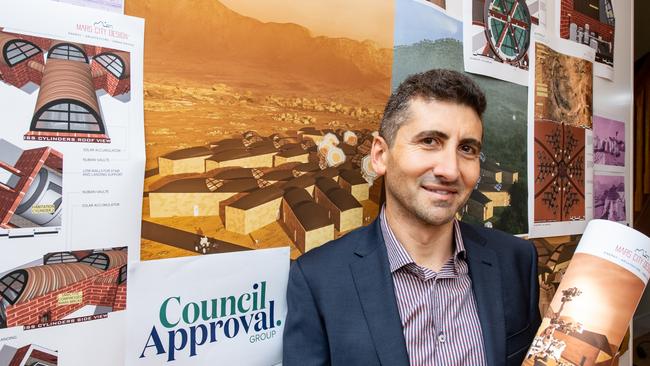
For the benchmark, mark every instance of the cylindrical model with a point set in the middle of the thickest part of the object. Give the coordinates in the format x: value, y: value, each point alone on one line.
x: 42, y: 203
x: 596, y: 299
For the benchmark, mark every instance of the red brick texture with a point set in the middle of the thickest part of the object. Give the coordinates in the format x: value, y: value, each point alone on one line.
x: 568, y: 15
x: 100, y: 290
x: 19, y: 356
x: 28, y: 351
x: 28, y: 165
x: 120, y: 298
x: 107, y: 81
x: 42, y: 356
x: 21, y: 74
x: 55, y: 160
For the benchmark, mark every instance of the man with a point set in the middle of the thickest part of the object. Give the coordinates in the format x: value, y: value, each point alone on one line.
x: 416, y: 286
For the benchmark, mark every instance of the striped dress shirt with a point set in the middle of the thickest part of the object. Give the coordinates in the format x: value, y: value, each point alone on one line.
x: 438, y: 310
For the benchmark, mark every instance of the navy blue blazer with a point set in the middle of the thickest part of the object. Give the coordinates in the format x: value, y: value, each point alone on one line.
x: 342, y: 308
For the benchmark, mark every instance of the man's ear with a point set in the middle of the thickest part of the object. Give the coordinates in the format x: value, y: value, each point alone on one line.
x: 379, y: 155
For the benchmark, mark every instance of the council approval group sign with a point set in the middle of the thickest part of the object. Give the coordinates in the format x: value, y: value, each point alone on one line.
x: 209, y: 309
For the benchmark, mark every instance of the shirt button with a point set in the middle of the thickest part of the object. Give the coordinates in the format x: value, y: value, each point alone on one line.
x: 442, y: 338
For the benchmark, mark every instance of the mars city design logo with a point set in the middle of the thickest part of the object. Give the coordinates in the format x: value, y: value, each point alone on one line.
x: 185, y: 326
x: 101, y: 28
x: 103, y: 23
x: 643, y: 253
x: 638, y: 257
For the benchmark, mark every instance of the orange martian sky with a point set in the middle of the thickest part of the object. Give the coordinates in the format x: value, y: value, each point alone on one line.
x: 608, y: 298
x: 359, y: 20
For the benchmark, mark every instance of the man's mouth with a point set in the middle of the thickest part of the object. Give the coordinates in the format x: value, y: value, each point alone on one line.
x: 441, y: 191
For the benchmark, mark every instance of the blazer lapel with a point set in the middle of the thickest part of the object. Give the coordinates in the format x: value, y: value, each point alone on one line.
x: 486, y: 282
x: 374, y: 284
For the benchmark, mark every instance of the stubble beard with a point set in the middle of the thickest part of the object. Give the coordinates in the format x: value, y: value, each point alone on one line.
x: 424, y: 214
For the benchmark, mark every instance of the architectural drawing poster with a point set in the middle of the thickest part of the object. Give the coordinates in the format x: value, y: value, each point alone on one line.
x: 560, y: 149
x: 589, y: 24
x: 70, y: 152
x: 259, y: 138
x: 498, y: 35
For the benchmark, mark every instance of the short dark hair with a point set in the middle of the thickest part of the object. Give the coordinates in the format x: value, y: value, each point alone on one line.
x: 437, y: 84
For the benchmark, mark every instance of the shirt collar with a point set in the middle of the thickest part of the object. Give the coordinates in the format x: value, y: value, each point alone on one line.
x: 398, y: 257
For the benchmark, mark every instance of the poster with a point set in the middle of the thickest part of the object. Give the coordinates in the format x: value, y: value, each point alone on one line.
x: 589, y: 24
x: 609, y: 197
x: 609, y: 144
x: 71, y: 149
x: 116, y: 6
x: 498, y: 35
x: 587, y: 319
x: 610, y: 193
x: 452, y: 8
x: 499, y: 199
x: 257, y: 137
x: 214, y: 321
x: 560, y: 149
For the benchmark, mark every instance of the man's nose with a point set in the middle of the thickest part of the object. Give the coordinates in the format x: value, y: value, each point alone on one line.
x: 446, y: 165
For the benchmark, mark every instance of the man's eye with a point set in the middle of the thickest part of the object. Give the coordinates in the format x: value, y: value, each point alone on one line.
x: 468, y: 149
x: 429, y: 141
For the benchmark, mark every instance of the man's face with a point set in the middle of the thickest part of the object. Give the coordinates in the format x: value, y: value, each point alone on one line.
x: 433, y: 165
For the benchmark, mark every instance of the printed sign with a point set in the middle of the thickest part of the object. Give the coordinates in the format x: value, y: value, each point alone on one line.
x: 218, y: 309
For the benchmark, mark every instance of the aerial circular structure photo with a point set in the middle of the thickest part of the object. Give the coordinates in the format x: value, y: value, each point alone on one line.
x: 507, y: 29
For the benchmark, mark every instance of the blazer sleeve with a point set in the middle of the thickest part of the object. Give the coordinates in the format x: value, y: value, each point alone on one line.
x: 536, y: 320
x: 305, y: 339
